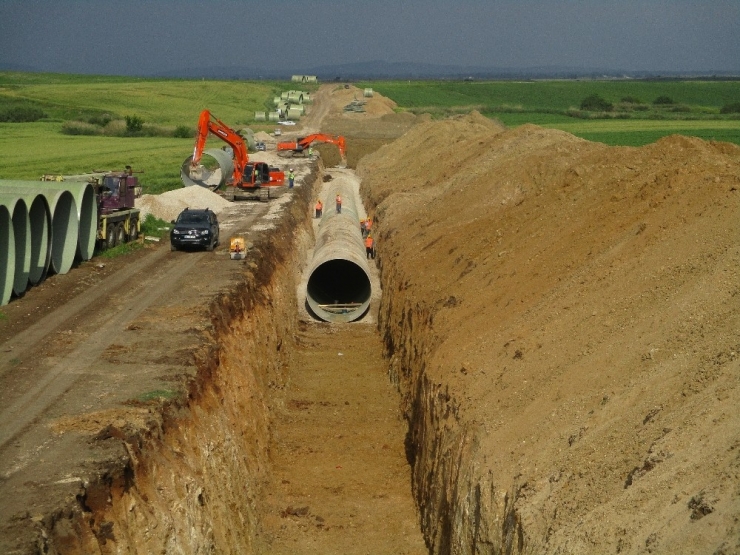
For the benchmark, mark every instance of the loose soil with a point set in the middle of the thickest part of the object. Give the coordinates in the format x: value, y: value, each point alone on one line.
x: 559, y: 321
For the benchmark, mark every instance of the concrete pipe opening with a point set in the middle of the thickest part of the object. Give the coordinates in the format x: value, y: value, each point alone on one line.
x: 215, y: 168
x: 64, y: 231
x: 338, y: 290
x: 22, y: 241
x: 40, y: 219
x: 7, y: 261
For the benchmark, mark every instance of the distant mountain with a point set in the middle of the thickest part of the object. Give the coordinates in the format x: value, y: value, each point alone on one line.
x: 373, y: 70
x: 409, y: 70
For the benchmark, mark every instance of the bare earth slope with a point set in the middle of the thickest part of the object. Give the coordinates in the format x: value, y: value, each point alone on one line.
x: 563, y: 320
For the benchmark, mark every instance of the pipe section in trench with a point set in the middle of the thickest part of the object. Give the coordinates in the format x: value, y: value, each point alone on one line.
x: 338, y: 287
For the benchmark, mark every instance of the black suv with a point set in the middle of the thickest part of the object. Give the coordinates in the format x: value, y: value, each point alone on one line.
x: 195, y: 228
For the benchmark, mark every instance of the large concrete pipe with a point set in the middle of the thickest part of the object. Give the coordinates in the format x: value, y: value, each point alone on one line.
x: 209, y: 175
x: 40, y: 239
x: 7, y: 261
x: 87, y: 212
x: 22, y: 240
x: 85, y: 205
x: 338, y: 287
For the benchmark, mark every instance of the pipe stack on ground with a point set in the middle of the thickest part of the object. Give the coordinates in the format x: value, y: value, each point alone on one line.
x: 43, y: 226
x: 338, y: 287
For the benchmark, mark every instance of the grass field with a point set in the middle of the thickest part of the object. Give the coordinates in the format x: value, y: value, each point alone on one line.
x: 29, y: 150
x: 556, y: 104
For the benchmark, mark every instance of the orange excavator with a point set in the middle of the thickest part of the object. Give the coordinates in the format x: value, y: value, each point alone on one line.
x: 299, y: 147
x: 249, y: 179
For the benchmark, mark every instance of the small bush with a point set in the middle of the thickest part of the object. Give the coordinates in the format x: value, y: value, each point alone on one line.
x: 596, y: 103
x: 680, y: 108
x: 663, y: 100
x: 183, y: 132
x: 101, y: 120
x: 134, y: 124
x: 22, y: 114
x: 153, y: 226
x: 733, y: 108
x: 80, y: 128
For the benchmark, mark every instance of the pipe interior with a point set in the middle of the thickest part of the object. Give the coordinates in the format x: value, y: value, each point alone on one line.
x: 65, y: 233
x: 22, y: 236
x: 7, y: 263
x: 338, y: 281
x: 39, y: 219
x: 88, y: 223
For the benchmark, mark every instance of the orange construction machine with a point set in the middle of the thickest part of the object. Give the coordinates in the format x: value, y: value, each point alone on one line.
x: 299, y: 147
x: 250, y: 179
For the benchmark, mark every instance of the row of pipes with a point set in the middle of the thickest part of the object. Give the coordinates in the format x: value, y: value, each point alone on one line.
x: 44, y: 228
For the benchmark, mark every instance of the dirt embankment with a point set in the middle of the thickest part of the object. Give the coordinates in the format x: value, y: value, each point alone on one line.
x: 562, y: 319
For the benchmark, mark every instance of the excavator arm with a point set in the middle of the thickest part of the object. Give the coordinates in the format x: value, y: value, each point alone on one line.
x: 207, y: 123
x: 289, y: 148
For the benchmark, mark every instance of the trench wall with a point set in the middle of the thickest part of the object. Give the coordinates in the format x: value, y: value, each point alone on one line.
x: 461, y: 509
x: 189, y: 484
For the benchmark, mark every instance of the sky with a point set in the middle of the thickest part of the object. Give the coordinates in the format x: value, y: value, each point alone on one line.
x: 149, y: 37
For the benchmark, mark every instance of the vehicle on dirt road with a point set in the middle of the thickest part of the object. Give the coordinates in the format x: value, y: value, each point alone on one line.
x: 195, y: 228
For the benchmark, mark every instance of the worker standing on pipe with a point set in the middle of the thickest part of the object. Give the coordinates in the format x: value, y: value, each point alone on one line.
x: 291, y: 178
x: 339, y: 204
x: 370, y: 246
x: 319, y: 208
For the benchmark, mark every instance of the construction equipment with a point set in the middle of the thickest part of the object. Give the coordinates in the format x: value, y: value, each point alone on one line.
x: 237, y: 248
x: 298, y: 148
x: 119, y: 221
x: 248, y: 180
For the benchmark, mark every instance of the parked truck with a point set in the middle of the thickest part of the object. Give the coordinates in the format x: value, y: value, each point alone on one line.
x: 119, y: 221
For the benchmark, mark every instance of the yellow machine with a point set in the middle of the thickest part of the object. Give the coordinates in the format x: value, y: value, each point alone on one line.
x: 237, y: 248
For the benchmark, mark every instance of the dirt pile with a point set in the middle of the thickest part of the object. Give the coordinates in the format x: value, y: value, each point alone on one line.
x: 562, y: 319
x: 168, y: 205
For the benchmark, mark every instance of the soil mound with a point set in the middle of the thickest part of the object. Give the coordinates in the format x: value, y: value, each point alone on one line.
x: 168, y: 205
x: 564, y: 330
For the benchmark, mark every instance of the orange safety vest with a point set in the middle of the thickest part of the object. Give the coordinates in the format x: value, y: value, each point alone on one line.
x: 369, y: 242
x: 319, y: 206
x: 368, y: 224
x: 339, y: 199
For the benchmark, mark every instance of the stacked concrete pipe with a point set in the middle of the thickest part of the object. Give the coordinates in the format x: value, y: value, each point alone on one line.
x: 21, y: 233
x: 43, y: 225
x: 7, y: 261
x: 338, y: 287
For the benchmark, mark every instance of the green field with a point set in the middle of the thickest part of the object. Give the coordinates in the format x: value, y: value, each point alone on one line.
x: 29, y: 150
x: 556, y: 104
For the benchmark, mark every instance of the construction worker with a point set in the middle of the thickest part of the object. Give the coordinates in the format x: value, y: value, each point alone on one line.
x: 319, y: 208
x: 370, y: 246
x: 339, y: 204
x: 310, y: 152
x: 362, y: 226
x: 368, y: 226
x: 291, y: 178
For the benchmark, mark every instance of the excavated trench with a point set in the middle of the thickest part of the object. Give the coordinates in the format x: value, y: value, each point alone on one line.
x: 291, y: 439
